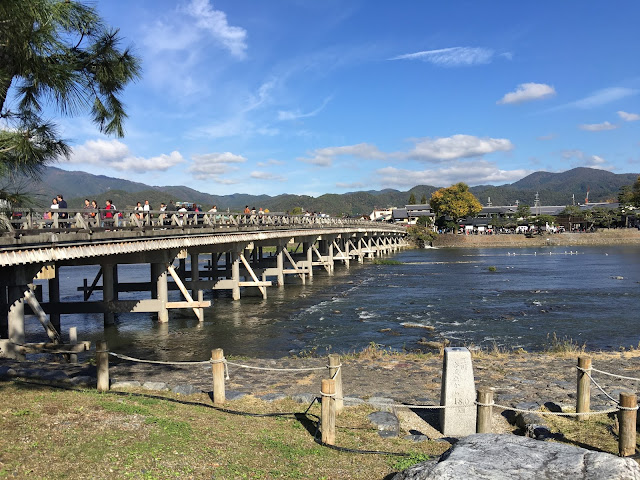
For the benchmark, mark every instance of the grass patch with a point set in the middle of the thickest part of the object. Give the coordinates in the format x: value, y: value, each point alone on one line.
x: 87, y: 435
x: 492, y: 268
x: 563, y: 346
x: 383, y: 261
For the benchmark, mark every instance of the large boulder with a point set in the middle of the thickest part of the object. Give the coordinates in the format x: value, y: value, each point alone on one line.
x: 492, y: 456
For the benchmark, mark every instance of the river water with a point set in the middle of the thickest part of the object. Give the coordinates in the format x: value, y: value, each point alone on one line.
x: 588, y: 294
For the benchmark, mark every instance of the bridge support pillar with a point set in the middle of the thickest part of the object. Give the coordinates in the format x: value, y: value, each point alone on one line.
x: 15, y: 312
x: 330, y: 257
x: 235, y: 275
x: 280, y: 264
x: 159, y: 280
x: 54, y: 297
x: 347, y: 254
x: 195, y: 272
x: 108, y: 290
x: 307, y: 247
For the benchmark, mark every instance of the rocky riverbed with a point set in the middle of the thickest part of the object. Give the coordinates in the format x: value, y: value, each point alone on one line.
x: 525, y: 380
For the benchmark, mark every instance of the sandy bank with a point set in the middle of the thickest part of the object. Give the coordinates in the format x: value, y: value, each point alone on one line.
x: 627, y: 236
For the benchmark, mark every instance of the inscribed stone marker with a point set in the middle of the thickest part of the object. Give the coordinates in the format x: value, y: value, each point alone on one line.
x: 458, y: 390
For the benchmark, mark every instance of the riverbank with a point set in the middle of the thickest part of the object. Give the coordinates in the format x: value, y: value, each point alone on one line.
x: 627, y: 236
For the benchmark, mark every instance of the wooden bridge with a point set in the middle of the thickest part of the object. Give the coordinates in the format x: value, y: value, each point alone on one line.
x: 223, y: 252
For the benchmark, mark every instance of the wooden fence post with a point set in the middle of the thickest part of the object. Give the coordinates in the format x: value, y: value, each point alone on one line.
x: 73, y: 340
x: 485, y: 411
x: 335, y: 372
x: 627, y: 421
x: 584, y: 388
x: 328, y: 413
x: 102, y: 364
x: 217, y: 367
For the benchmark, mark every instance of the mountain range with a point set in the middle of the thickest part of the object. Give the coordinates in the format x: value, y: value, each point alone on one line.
x: 565, y: 188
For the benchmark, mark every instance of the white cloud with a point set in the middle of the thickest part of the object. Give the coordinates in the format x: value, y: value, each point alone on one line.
x: 215, y: 23
x: 601, y: 97
x: 581, y: 159
x: 268, y: 163
x: 296, y: 114
x: 457, y: 146
x: 474, y: 173
x: 550, y: 136
x: 211, y: 166
x: 267, y: 176
x: 628, y: 117
x: 598, y: 127
x: 353, y: 185
x: 451, y: 57
x: 115, y: 155
x: 323, y: 157
x: 526, y: 92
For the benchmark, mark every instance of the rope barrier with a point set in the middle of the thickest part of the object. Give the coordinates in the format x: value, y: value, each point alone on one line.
x: 158, y: 362
x: 586, y: 372
x: 613, y: 374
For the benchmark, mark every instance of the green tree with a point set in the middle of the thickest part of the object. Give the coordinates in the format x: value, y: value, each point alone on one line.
x: 412, y: 199
x: 542, y: 220
x: 423, y: 200
x: 630, y: 194
x: 523, y: 212
x: 421, y: 235
x: 296, y: 211
x: 455, y: 202
x: 60, y: 54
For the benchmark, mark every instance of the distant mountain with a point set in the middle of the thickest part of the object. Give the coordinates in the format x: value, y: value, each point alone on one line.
x: 553, y: 189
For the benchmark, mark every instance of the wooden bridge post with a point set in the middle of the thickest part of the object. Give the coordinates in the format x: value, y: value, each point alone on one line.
x: 583, y: 400
x: 54, y: 297
x: 627, y: 421
x: 73, y: 340
x: 330, y: 256
x: 235, y: 275
x: 345, y: 244
x: 159, y: 284
x: 485, y: 411
x: 217, y: 367
x: 102, y: 366
x: 4, y: 321
x: 108, y: 291
x: 15, y: 317
x: 307, y: 247
x: 280, y: 263
x: 328, y: 412
x: 195, y: 273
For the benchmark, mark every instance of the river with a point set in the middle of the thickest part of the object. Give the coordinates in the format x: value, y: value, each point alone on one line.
x: 590, y: 295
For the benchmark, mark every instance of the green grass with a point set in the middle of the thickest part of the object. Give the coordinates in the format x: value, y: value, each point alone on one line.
x: 383, y: 261
x: 83, y: 434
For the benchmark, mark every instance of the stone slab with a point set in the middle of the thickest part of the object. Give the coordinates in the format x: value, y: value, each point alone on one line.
x: 509, y: 457
x: 458, y: 393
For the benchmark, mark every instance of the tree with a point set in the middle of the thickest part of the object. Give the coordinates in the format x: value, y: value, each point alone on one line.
x: 412, y: 199
x: 423, y: 200
x: 455, y: 201
x: 630, y: 194
x: 523, y: 212
x: 543, y: 220
x: 56, y: 53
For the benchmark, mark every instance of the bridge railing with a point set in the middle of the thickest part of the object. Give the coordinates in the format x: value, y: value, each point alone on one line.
x: 69, y: 220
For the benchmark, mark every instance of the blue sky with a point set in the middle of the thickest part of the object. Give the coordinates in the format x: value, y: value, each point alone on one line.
x: 313, y: 97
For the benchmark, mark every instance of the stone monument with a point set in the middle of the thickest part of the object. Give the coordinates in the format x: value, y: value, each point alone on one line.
x: 458, y: 392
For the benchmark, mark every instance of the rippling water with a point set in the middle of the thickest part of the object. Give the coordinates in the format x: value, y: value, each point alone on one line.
x: 591, y: 295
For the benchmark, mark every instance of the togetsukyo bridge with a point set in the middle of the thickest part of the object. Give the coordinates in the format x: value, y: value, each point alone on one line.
x: 190, y: 251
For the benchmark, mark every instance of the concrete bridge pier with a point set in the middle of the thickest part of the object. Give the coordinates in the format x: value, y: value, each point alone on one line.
x: 160, y: 289
x: 108, y: 291
x: 235, y: 274
x: 195, y: 272
x: 307, y: 248
x: 54, y: 297
x: 280, y: 264
x: 4, y: 323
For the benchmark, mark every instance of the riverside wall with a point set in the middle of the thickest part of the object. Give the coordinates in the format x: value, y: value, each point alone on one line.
x: 625, y: 236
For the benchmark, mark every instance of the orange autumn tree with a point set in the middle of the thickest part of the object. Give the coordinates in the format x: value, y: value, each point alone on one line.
x: 454, y: 202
